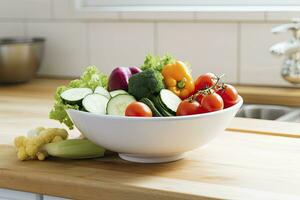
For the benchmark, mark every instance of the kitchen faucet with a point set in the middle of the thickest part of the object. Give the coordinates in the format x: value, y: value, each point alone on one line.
x: 290, y: 49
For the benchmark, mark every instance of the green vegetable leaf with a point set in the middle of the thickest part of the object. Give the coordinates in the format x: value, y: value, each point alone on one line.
x: 157, y: 63
x: 91, y: 78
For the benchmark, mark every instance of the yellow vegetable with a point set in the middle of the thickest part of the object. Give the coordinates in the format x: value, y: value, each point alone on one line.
x: 178, y: 79
x: 30, y: 148
x: 41, y: 156
x: 42, y: 143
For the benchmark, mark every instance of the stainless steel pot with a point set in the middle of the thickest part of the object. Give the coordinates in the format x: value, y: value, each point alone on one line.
x: 20, y: 58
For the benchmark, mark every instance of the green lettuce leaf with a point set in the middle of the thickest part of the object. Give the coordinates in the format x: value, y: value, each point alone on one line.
x: 91, y: 78
x: 157, y: 63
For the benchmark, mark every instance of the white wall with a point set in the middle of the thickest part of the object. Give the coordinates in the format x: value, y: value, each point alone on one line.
x: 233, y: 43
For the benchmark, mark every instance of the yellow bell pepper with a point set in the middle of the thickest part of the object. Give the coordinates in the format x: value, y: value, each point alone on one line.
x: 178, y: 79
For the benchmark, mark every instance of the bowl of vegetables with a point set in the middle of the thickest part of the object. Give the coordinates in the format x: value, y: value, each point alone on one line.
x: 152, y: 114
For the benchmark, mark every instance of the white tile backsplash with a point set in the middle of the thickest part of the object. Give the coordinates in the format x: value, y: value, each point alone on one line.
x: 157, y: 15
x: 65, y: 9
x: 258, y: 66
x: 11, y: 29
x: 208, y: 47
x: 66, y: 47
x: 234, y: 43
x: 230, y: 16
x: 37, y: 9
x: 11, y: 9
x: 282, y: 16
x: 120, y: 44
x: 25, y: 9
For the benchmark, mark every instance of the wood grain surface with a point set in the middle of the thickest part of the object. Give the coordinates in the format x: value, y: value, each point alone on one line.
x: 234, y: 166
x: 270, y: 95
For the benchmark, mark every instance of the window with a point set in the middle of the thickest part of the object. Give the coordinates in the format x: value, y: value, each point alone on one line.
x: 187, y: 5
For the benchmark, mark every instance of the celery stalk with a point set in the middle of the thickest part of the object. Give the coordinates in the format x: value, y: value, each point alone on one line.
x: 74, y: 149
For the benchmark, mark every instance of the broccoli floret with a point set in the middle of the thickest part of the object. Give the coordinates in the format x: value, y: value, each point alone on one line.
x: 145, y: 84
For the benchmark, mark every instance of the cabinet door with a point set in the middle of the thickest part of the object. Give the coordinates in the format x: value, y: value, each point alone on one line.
x: 46, y: 197
x: 6, y: 194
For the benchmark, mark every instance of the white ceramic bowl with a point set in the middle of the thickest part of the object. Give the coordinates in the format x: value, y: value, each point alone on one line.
x: 153, y: 139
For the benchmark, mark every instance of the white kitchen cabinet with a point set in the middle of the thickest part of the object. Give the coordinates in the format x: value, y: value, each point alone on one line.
x: 6, y: 194
x: 46, y: 197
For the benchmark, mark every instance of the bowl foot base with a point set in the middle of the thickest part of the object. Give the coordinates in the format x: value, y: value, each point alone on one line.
x: 151, y: 159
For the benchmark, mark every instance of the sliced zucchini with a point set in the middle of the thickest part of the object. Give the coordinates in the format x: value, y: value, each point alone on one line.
x: 102, y: 91
x: 118, y: 104
x: 95, y: 103
x: 160, y: 107
x: 75, y: 95
x: 164, y: 106
x: 169, y: 99
x: 117, y: 92
x: 151, y: 105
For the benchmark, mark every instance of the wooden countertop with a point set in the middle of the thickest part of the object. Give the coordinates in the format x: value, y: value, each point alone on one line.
x: 254, y: 159
x: 234, y: 166
x: 270, y: 95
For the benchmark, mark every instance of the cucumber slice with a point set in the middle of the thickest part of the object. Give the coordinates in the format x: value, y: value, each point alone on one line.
x: 75, y: 95
x: 102, y: 91
x: 160, y: 107
x: 117, y: 92
x: 95, y: 103
x: 150, y: 104
x: 118, y: 104
x: 165, y: 107
x: 169, y: 99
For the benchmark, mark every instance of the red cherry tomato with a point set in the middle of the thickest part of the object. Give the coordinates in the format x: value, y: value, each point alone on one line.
x: 212, y: 102
x: 199, y: 97
x: 188, y: 107
x: 229, y: 95
x: 205, y: 81
x: 138, y: 109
